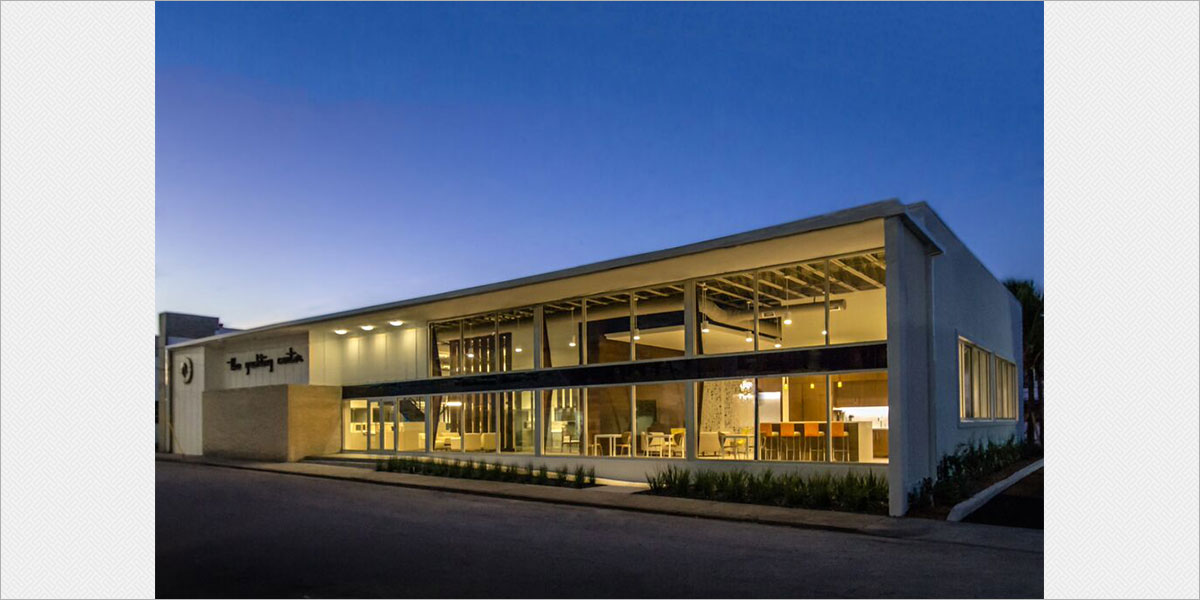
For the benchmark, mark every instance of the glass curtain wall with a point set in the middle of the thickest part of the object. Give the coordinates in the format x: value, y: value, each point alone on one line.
x: 516, y: 422
x: 563, y: 334
x: 410, y: 428
x: 726, y: 310
x: 355, y: 424
x: 858, y: 298
x: 608, y: 331
x: 792, y: 306
x: 860, y: 416
x: 658, y: 322
x: 817, y: 418
x: 562, y: 415
x: 609, y: 421
x: 659, y: 424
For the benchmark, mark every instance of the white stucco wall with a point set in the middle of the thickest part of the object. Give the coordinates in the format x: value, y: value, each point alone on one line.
x: 386, y: 354
x: 968, y: 301
x: 186, y: 419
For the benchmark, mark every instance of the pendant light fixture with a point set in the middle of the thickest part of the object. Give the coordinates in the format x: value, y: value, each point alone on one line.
x: 574, y: 326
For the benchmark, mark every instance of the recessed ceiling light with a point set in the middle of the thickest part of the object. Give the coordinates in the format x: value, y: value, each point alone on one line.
x: 366, y: 327
x: 340, y: 331
x: 396, y: 323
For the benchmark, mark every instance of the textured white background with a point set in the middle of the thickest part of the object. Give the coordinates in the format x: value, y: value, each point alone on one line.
x: 1121, y: 300
x: 77, y: 265
x: 77, y: 226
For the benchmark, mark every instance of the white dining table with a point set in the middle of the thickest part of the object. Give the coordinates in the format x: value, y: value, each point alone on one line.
x: 612, y: 441
x: 740, y: 436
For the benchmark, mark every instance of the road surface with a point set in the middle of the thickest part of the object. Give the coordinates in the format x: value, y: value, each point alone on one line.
x: 225, y: 532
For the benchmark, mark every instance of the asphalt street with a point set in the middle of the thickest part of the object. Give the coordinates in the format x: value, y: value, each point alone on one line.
x: 224, y: 532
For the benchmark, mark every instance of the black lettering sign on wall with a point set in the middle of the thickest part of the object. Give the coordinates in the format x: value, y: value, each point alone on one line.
x: 262, y: 361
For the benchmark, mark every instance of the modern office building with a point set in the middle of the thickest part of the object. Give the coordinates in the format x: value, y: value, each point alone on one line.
x: 867, y: 339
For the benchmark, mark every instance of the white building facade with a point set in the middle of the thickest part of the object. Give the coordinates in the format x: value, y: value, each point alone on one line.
x: 869, y: 339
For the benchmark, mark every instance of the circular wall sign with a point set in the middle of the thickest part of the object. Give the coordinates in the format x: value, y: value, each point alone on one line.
x: 187, y: 370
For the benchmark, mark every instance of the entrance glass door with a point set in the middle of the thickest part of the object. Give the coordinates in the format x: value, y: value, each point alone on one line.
x: 382, y: 425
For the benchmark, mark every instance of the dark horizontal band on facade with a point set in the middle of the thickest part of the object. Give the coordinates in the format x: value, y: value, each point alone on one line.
x: 862, y: 357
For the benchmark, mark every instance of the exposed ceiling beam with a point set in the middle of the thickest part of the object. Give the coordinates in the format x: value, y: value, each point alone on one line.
x: 832, y: 279
x: 857, y: 273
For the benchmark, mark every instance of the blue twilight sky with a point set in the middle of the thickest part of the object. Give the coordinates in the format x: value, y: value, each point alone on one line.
x: 316, y: 157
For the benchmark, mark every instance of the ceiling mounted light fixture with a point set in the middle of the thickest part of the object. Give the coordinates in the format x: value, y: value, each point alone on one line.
x: 749, y: 339
x: 340, y: 331
x: 787, y: 319
x: 517, y: 349
x: 366, y: 327
x: 396, y: 323
x: 470, y: 355
x: 636, y: 335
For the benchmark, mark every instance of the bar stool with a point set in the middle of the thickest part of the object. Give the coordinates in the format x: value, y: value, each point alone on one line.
x: 789, y: 437
x: 838, y: 432
x: 813, y: 433
x: 765, y: 431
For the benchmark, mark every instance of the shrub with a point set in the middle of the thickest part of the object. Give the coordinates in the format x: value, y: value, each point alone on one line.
x: 560, y: 475
x: 580, y: 477
x: 851, y: 492
x: 961, y: 472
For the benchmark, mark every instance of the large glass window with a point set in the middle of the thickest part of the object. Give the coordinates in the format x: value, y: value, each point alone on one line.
x: 514, y: 340
x: 726, y: 314
x: 516, y: 422
x: 792, y: 418
x: 658, y: 330
x: 792, y: 306
x: 465, y: 423
x: 562, y: 415
x: 445, y: 343
x: 974, y: 381
x: 609, y: 325
x: 858, y: 298
x: 860, y: 417
x: 725, y: 419
x: 1006, y: 389
x: 609, y: 421
x: 562, y: 339
x: 410, y: 428
x: 659, y: 423
x: 355, y: 424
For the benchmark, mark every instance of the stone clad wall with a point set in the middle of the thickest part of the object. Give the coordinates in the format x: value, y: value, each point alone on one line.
x: 272, y: 423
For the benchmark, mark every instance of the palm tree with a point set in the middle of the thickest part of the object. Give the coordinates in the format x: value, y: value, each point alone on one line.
x: 1032, y: 311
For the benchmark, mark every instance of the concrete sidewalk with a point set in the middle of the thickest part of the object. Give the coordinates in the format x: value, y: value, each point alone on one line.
x: 970, y: 534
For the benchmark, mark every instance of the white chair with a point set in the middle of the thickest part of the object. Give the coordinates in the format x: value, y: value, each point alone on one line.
x: 710, y: 444
x: 487, y: 442
x: 472, y: 442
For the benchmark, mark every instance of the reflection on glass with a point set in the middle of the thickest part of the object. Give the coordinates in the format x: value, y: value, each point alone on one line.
x: 478, y: 350
x: 726, y: 314
x: 382, y: 425
x: 658, y: 330
x: 659, y: 425
x: 609, y: 421
x: 608, y: 329
x: 562, y: 412
x: 465, y: 423
x: 858, y: 298
x: 516, y: 422
x: 860, y: 417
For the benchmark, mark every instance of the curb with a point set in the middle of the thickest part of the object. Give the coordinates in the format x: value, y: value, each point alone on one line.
x: 970, y: 505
